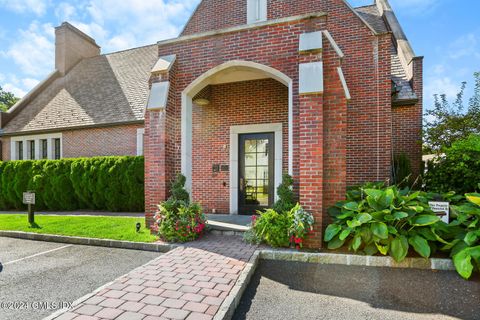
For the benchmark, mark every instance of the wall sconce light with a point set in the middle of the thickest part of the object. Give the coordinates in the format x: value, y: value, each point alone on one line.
x: 201, y: 102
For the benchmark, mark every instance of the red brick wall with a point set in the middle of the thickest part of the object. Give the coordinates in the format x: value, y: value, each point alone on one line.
x: 107, y: 141
x: 240, y: 103
x: 5, y: 149
x: 407, y: 123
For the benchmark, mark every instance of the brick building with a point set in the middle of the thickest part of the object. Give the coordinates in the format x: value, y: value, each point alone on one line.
x: 91, y: 105
x: 250, y: 89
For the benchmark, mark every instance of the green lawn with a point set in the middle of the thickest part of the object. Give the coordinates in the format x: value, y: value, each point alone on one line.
x: 114, y: 228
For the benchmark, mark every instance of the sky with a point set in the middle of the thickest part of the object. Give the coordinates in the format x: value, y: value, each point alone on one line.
x: 445, y: 32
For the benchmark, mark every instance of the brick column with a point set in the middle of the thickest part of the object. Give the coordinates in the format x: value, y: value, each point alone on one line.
x: 417, y: 83
x: 155, y: 162
x: 311, y: 162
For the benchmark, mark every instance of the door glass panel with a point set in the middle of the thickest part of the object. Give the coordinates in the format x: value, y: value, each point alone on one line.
x: 262, y: 172
x: 250, y: 159
x: 256, y: 165
x: 262, y: 146
x: 250, y: 146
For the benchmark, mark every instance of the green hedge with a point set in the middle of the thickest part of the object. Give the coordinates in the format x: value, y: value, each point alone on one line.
x: 458, y: 170
x: 101, y: 183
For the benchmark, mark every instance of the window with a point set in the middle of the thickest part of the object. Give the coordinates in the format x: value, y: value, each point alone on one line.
x: 43, y: 146
x: 256, y: 11
x: 20, y: 150
x: 44, y: 149
x: 57, y: 149
x: 140, y: 137
x: 31, y: 150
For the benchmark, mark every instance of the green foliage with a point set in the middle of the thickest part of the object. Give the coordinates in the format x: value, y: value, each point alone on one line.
x: 178, y: 189
x: 458, y: 170
x: 7, y: 99
x: 273, y: 228
x: 465, y: 246
x: 178, y: 220
x: 102, y: 183
x: 280, y: 229
x: 286, y: 197
x: 384, y: 220
x: 446, y: 123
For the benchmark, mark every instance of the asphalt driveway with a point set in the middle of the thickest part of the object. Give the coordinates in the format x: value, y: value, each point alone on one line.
x: 289, y: 290
x: 35, y: 273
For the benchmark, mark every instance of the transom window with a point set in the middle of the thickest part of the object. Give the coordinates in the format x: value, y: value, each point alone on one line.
x: 46, y: 146
x: 256, y: 11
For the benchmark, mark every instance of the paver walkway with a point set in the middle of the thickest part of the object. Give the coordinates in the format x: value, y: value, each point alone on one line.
x: 189, y: 282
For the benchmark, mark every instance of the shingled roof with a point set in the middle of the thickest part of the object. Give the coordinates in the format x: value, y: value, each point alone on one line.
x: 105, y: 89
x: 373, y: 17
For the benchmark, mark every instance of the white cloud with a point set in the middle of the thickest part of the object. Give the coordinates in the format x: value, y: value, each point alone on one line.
x: 467, y: 45
x: 29, y: 83
x: 134, y: 23
x: 64, y: 11
x: 18, y: 92
x: 34, y: 49
x: 38, y: 7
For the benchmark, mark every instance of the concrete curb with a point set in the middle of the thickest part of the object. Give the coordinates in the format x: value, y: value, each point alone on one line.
x: 357, y: 260
x: 231, y: 302
x: 144, y: 246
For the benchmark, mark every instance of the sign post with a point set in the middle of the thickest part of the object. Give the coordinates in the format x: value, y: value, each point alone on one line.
x: 29, y: 199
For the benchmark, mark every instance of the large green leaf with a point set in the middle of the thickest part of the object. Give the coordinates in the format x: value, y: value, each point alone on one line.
x: 400, y: 215
x: 364, y: 217
x: 356, y: 242
x: 473, y: 198
x: 383, y: 249
x: 331, y: 231
x: 399, y: 248
x: 420, y: 245
x: 366, y: 234
x: 424, y: 220
x: 463, y: 263
x: 370, y: 249
x: 380, y: 229
x: 471, y: 238
x: 335, y: 243
x: 344, y: 234
x: 374, y: 193
x: 351, y: 206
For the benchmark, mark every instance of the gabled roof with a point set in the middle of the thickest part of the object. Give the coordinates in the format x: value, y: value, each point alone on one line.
x: 102, y: 90
x: 373, y: 17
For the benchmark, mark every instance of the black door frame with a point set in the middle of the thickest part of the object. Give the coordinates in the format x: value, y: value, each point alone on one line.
x: 244, y: 209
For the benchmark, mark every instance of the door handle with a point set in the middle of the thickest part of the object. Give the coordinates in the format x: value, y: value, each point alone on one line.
x: 241, y: 184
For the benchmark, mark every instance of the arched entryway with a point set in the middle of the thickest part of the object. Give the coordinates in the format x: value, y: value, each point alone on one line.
x: 230, y: 74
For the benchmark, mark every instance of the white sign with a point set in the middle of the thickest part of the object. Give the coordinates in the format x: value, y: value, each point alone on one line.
x: 442, y: 209
x: 29, y: 198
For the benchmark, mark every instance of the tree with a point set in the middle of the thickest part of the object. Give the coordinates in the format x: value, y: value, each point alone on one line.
x: 7, y: 99
x: 447, y: 123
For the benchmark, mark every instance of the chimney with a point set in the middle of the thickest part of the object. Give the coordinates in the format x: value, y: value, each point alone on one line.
x: 71, y: 46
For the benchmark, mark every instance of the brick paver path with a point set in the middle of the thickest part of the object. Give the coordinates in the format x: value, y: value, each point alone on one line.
x: 189, y: 282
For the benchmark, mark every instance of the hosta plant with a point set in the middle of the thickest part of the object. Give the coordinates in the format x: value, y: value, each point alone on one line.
x: 465, y: 247
x: 386, y: 220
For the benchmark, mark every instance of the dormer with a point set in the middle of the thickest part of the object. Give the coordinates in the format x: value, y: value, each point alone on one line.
x: 256, y: 11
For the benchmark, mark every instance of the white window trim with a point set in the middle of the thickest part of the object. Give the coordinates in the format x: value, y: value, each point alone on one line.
x: 256, y: 11
x: 37, y: 138
x: 140, y: 141
x: 235, y: 131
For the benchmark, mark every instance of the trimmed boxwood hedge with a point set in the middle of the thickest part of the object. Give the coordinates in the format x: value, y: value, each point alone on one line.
x: 101, y: 183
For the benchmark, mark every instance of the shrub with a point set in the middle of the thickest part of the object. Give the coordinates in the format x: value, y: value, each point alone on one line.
x: 386, y: 220
x: 458, y: 170
x: 178, y: 220
x: 285, y: 229
x: 273, y: 228
x: 101, y: 183
x: 286, y: 197
x: 465, y: 246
